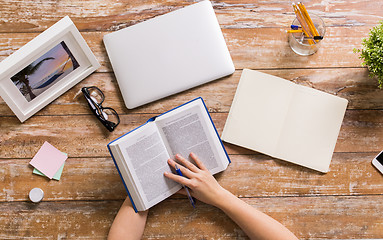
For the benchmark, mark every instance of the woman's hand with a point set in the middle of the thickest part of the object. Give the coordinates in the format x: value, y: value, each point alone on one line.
x: 198, y: 179
x: 204, y: 187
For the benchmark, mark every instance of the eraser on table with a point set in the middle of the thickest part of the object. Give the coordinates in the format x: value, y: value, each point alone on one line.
x: 36, y: 195
x: 48, y: 160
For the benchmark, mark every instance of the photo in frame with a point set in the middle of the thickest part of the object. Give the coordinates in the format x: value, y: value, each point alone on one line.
x: 45, y: 68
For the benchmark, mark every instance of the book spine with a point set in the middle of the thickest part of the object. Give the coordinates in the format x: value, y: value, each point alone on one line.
x: 130, y: 197
x: 207, y: 111
x: 151, y: 119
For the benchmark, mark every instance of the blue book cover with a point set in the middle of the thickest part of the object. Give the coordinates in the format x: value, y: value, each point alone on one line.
x: 217, y: 143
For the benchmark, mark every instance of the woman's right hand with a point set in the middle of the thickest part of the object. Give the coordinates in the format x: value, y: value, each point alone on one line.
x: 204, y: 187
x: 198, y: 179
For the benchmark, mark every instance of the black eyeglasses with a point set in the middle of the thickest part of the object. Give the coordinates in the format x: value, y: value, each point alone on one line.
x: 107, y: 116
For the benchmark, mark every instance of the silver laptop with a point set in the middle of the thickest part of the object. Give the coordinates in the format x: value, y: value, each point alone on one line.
x: 168, y: 54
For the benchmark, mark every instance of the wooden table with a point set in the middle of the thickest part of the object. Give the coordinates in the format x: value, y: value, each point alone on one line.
x: 347, y: 202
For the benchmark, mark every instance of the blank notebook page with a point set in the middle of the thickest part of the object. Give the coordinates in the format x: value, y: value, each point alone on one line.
x: 282, y: 119
x: 311, y: 128
x: 258, y: 112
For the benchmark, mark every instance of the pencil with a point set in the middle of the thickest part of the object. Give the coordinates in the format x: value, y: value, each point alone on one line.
x: 315, y: 38
x: 294, y: 31
x: 301, y: 20
x: 308, y: 19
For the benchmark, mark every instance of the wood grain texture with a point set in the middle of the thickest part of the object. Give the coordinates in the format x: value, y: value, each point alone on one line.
x: 85, y: 136
x: 353, y: 84
x: 254, y: 175
x: 90, y: 15
x: 325, y: 217
x: 255, y: 48
x: 308, y: 217
x: 345, y: 203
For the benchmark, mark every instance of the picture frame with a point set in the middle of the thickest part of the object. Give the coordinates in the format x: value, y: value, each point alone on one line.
x: 45, y: 68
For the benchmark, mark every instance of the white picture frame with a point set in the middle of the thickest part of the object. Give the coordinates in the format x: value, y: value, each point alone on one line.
x: 45, y: 68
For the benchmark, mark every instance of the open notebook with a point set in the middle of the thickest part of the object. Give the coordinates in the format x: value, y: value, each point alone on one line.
x: 284, y: 120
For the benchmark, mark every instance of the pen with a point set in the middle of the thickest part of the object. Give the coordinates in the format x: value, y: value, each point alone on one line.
x: 295, y: 27
x: 186, y: 189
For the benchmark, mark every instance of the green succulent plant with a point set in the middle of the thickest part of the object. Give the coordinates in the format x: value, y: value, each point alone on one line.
x: 372, y: 53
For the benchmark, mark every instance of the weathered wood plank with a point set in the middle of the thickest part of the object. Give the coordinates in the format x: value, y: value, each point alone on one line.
x: 100, y: 174
x: 59, y: 220
x: 352, y: 84
x: 85, y: 136
x: 361, y: 128
x: 259, y: 48
x: 344, y: 203
x: 334, y: 217
x: 268, y: 48
x: 247, y: 176
x: 36, y: 16
x: 309, y: 218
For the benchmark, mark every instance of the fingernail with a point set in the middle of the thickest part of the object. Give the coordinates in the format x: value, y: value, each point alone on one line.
x: 166, y: 173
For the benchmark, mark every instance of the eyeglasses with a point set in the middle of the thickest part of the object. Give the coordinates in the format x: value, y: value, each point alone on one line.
x: 107, y: 116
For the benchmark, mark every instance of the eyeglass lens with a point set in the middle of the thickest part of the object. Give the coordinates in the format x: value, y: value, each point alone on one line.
x: 110, y: 115
x: 96, y: 95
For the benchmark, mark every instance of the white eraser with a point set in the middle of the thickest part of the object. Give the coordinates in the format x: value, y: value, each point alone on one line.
x: 36, y: 195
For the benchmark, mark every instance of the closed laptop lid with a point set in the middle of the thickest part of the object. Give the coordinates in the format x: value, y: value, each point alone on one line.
x: 168, y: 54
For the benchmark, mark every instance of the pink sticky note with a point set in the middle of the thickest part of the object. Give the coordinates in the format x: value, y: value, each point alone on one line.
x: 48, y: 160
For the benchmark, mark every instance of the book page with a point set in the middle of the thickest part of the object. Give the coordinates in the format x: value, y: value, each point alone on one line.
x: 311, y: 128
x: 189, y: 129
x: 146, y: 157
x: 258, y: 111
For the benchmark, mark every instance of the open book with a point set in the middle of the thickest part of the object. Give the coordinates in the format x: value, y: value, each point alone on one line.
x: 141, y: 155
x: 285, y: 120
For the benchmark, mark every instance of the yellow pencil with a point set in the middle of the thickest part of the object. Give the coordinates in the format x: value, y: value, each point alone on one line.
x: 308, y: 19
x: 303, y: 9
x: 304, y: 26
x: 294, y: 31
